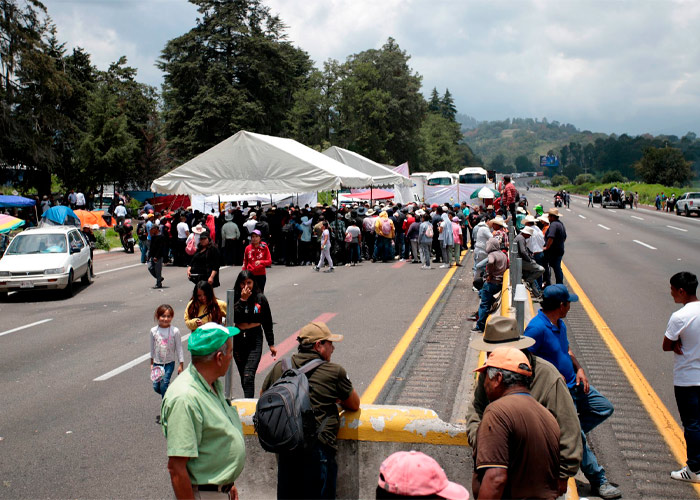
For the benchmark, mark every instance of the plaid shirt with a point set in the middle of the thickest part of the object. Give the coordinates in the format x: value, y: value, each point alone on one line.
x: 338, y: 229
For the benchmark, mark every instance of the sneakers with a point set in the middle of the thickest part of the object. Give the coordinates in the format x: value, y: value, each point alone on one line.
x: 607, y: 490
x: 444, y: 266
x: 685, y: 474
x: 158, y: 419
x: 316, y: 268
x: 476, y: 330
x: 329, y: 270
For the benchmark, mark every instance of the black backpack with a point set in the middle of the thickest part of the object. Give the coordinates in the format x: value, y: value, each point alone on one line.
x: 284, y: 419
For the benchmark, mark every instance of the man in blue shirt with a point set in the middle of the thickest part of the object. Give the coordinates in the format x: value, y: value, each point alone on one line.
x: 551, y: 343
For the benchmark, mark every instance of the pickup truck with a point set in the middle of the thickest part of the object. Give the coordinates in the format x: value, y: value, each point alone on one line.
x: 687, y: 203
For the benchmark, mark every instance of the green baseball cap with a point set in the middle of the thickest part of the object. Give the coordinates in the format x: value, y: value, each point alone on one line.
x: 209, y: 337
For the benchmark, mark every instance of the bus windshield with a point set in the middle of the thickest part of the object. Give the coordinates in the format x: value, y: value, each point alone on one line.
x: 440, y: 181
x: 472, y: 179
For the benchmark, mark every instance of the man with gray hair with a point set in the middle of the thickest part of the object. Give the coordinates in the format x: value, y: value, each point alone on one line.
x: 517, y: 446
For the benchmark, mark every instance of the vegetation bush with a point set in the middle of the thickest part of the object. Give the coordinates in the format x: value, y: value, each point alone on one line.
x: 612, y: 176
x: 583, y: 178
x: 133, y: 206
x: 558, y: 180
x: 101, y: 243
x: 647, y: 192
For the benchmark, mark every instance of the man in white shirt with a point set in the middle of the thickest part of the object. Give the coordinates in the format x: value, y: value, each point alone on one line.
x: 535, y: 243
x: 683, y: 338
x: 120, y: 213
x: 80, y: 200
x: 249, y: 225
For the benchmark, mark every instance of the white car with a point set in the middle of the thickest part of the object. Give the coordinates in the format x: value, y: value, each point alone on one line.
x: 687, y: 203
x: 50, y: 257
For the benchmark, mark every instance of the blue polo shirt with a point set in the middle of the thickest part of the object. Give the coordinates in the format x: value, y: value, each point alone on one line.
x: 552, y: 344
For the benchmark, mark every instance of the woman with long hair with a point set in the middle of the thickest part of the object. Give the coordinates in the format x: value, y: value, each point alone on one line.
x: 204, y: 307
x: 252, y: 316
x: 204, y: 265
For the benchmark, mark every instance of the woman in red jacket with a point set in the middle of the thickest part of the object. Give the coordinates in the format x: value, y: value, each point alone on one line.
x: 256, y: 258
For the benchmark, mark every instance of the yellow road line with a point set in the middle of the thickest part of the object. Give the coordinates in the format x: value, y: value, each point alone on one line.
x: 572, y: 490
x: 665, y: 423
x: 505, y: 295
x: 375, y: 387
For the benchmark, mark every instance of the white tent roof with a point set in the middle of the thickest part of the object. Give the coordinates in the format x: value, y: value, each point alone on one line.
x: 381, y: 176
x: 248, y: 163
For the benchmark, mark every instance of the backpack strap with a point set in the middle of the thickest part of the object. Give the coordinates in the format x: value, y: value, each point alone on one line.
x: 286, y: 364
x: 311, y: 365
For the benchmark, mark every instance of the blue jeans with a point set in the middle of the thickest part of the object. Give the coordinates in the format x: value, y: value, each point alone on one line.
x: 540, y: 259
x: 162, y: 385
x: 688, y: 401
x: 354, y: 251
x: 144, y: 250
x: 399, y: 245
x: 383, y: 249
x: 486, y: 294
x: 593, y: 408
x: 553, y: 261
x: 307, y: 474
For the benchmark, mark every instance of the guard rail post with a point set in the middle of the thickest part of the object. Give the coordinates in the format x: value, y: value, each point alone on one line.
x: 228, y: 378
x: 519, y: 301
x: 516, y: 270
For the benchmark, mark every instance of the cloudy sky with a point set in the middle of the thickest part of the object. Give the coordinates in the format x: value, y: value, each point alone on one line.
x: 608, y: 66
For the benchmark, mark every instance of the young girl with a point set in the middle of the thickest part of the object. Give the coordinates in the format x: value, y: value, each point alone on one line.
x: 166, y: 347
x: 204, y: 307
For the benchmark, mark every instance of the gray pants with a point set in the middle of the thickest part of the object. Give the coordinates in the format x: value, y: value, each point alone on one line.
x: 325, y: 254
x: 457, y: 252
x: 446, y: 252
x: 531, y: 273
x: 425, y: 254
x: 155, y: 267
x: 414, y: 250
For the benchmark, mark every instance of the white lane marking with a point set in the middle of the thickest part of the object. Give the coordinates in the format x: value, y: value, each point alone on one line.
x: 128, y: 365
x: 611, y: 210
x: 568, y: 210
x: 26, y: 326
x: 678, y: 228
x: 644, y: 244
x: 118, y: 269
x: 635, y: 217
x: 604, y: 227
x: 582, y: 216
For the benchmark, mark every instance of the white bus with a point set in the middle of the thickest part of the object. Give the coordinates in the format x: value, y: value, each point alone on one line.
x: 473, y: 175
x: 441, y: 178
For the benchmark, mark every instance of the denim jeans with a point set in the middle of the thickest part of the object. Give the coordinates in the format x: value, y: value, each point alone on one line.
x: 155, y: 267
x: 354, y: 251
x: 247, y: 350
x: 399, y: 240
x: 486, y: 294
x: 593, y: 408
x: 688, y: 401
x: 162, y: 385
x: 425, y: 253
x: 553, y: 262
x: 144, y: 250
x: 307, y: 474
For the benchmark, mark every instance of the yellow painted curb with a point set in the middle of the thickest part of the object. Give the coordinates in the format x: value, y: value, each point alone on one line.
x: 665, y: 423
x: 505, y: 295
x: 380, y: 379
x: 572, y: 490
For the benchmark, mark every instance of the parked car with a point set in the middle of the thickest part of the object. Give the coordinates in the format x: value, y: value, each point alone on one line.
x: 50, y: 257
x: 687, y: 203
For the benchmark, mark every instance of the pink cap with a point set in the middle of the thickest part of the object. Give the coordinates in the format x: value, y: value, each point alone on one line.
x: 413, y: 474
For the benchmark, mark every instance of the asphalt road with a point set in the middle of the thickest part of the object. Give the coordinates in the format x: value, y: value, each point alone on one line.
x: 624, y: 259
x: 65, y: 435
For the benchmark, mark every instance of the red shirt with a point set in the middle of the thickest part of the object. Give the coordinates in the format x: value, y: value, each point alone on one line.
x: 253, y: 254
x: 508, y: 195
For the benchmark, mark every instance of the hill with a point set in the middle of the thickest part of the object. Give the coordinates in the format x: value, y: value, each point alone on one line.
x: 521, y: 136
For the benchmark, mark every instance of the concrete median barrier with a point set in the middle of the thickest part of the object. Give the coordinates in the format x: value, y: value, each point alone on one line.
x: 365, y: 439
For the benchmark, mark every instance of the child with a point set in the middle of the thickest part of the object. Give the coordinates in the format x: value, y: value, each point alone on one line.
x: 166, y: 345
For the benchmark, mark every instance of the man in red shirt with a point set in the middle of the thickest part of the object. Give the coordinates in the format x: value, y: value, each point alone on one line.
x: 508, y: 196
x: 256, y: 258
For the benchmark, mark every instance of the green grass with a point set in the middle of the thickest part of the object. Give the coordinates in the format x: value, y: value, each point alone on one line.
x: 647, y: 192
x: 112, y: 238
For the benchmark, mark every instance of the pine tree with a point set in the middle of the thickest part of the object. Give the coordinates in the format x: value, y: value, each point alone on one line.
x: 434, y: 104
x: 447, y: 106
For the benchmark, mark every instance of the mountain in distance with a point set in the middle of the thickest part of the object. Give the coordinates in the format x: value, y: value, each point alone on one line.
x: 514, y: 137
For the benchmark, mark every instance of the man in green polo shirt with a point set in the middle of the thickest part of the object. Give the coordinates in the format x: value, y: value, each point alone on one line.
x: 205, y: 439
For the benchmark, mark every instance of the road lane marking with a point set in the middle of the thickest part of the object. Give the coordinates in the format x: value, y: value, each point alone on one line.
x: 612, y: 211
x: 118, y: 269
x: 635, y: 217
x: 582, y: 216
x: 678, y: 228
x: 665, y: 423
x: 568, y: 210
x: 128, y: 365
x: 382, y: 376
x: 604, y: 227
x: 26, y: 326
x: 644, y: 244
x: 398, y: 265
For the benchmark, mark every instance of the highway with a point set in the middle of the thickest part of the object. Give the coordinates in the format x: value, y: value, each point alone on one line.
x: 77, y: 403
x: 624, y: 259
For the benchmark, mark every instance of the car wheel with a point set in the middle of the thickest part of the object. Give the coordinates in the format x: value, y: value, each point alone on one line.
x: 678, y: 210
x: 3, y: 296
x: 687, y: 212
x: 70, y: 287
x: 87, y: 277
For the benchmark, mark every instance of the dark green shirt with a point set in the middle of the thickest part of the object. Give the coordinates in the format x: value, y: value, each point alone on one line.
x: 328, y: 383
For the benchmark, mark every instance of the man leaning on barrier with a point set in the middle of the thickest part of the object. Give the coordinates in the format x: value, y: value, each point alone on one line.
x: 547, y: 387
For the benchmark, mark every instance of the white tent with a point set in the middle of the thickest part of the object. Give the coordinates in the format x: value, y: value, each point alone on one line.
x: 248, y: 163
x: 381, y: 175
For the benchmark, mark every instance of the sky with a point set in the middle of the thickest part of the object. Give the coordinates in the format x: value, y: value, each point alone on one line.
x: 625, y: 66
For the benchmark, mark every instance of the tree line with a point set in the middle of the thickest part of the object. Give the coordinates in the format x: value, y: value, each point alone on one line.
x: 62, y: 119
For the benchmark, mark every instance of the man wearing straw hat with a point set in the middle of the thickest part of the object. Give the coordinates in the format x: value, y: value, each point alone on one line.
x: 547, y: 387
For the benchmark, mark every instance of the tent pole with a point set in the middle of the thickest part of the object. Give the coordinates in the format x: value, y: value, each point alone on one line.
x: 371, y: 195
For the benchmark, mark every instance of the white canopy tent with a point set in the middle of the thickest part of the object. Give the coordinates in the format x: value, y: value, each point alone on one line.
x: 381, y: 175
x: 249, y: 163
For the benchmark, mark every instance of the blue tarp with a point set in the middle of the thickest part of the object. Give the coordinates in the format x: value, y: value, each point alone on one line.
x: 61, y: 215
x: 142, y: 196
x: 7, y: 201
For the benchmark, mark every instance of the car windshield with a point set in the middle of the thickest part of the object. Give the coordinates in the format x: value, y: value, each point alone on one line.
x: 37, y: 243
